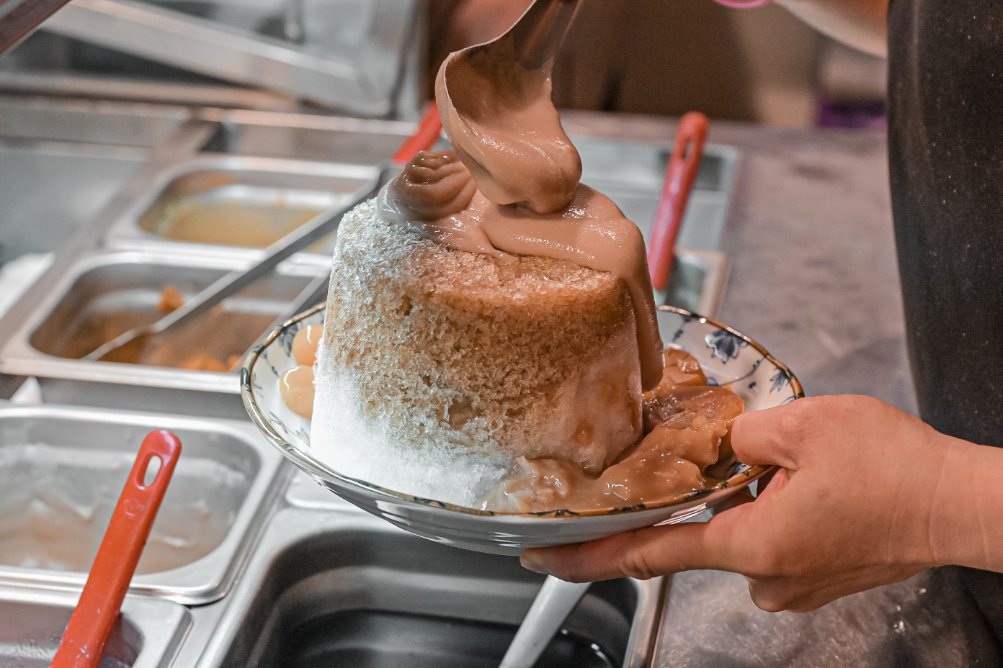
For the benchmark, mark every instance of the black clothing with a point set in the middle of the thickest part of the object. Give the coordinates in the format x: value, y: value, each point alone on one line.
x: 946, y: 160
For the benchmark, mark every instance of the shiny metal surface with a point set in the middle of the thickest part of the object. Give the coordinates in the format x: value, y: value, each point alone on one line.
x: 148, y: 633
x: 265, y: 191
x: 84, y: 152
x: 27, y: 120
x: 312, y: 568
x: 160, y: 138
x: 226, y: 483
x: 103, y: 294
x: 297, y: 136
x: 631, y: 174
x: 360, y: 77
x: 18, y: 18
x: 86, y: 178
x: 186, y: 137
x: 698, y: 281
x: 198, y: 306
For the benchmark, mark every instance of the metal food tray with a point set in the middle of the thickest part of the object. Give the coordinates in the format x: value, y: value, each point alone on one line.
x: 147, y: 635
x: 631, y: 174
x: 293, y: 552
x: 226, y: 482
x: 265, y: 196
x: 103, y: 294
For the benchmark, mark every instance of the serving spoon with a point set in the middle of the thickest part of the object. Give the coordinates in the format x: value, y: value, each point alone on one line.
x: 498, y: 112
x: 514, y: 69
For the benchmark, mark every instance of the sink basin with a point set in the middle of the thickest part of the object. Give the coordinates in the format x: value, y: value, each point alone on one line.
x: 339, y: 589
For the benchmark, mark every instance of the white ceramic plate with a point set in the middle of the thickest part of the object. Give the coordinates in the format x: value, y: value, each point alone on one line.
x: 727, y: 356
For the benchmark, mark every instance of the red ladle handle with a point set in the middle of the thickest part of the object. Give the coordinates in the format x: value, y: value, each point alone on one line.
x: 423, y: 138
x: 97, y: 611
x: 679, y: 178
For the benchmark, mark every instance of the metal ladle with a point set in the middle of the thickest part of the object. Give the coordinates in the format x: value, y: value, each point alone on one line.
x: 532, y: 42
x: 496, y: 104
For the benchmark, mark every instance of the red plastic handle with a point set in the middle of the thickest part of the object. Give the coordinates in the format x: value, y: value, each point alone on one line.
x: 679, y: 178
x: 423, y: 138
x: 97, y: 611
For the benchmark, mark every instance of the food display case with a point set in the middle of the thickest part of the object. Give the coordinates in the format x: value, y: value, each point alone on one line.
x: 263, y: 561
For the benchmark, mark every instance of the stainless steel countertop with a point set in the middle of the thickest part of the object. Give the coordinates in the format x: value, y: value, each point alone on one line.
x: 815, y: 280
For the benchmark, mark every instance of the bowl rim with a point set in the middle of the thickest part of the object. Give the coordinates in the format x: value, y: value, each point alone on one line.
x: 321, y: 471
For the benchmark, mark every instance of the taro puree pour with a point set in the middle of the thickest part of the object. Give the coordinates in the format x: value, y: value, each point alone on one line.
x: 511, y: 186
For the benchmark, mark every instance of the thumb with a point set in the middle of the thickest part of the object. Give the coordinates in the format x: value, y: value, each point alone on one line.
x: 767, y: 436
x: 645, y: 553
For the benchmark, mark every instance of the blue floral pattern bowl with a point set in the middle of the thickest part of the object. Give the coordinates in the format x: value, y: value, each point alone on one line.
x: 728, y: 357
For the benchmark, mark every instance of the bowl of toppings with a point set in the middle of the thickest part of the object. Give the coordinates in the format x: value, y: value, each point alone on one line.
x: 680, y: 467
x: 489, y: 369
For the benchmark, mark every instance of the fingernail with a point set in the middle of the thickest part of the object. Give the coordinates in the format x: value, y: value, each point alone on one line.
x: 532, y: 562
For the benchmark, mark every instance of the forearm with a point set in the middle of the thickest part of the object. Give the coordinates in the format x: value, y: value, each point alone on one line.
x: 965, y: 526
x: 862, y: 24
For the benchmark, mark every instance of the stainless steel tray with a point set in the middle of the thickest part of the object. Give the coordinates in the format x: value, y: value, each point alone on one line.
x: 316, y: 540
x: 698, y: 281
x: 358, y: 56
x: 233, y: 206
x: 103, y: 294
x: 324, y: 581
x: 147, y: 634
x: 631, y: 174
x: 61, y: 470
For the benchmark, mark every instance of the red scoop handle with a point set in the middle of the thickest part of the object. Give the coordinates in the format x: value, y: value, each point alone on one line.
x: 424, y: 136
x: 679, y: 178
x: 98, y: 609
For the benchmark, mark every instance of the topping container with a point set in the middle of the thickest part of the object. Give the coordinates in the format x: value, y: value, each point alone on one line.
x: 104, y: 294
x: 264, y: 565
x: 148, y: 633
x: 60, y: 472
x: 233, y: 205
x: 98, y: 610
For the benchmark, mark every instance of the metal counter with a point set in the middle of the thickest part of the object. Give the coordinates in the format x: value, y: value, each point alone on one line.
x: 275, y: 565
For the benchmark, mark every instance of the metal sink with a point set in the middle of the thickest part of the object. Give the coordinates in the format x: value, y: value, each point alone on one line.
x: 338, y: 589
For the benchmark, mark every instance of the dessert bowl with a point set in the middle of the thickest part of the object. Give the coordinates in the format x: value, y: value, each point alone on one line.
x: 728, y: 357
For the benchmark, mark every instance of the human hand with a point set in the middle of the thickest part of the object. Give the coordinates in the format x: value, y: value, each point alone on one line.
x: 854, y: 505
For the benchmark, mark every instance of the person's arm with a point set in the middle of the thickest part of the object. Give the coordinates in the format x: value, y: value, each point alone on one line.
x: 866, y: 495
x: 862, y: 24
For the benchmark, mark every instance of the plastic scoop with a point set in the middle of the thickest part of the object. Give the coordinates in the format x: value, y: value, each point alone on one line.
x: 680, y: 175
x: 97, y: 611
x: 321, y: 225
